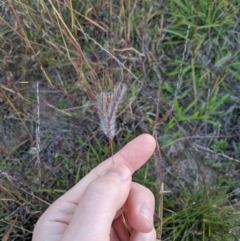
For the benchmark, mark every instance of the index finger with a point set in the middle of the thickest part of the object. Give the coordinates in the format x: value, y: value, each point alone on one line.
x: 133, y: 156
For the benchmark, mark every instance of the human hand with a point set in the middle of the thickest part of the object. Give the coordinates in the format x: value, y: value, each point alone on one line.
x: 92, y: 209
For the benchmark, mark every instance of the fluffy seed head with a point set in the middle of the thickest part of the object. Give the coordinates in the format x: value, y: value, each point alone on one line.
x: 108, y: 103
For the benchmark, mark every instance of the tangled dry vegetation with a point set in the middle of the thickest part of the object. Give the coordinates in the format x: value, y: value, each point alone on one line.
x: 179, y: 61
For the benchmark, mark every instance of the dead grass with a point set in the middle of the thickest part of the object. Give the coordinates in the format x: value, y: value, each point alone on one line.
x: 185, y: 93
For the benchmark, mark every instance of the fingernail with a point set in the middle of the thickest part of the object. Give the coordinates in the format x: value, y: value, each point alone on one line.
x: 146, y: 212
x: 119, y: 171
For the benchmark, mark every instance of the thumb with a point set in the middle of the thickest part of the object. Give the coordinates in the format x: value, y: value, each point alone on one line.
x: 99, y: 204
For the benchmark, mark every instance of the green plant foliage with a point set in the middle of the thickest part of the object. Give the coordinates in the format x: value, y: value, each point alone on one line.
x: 179, y: 60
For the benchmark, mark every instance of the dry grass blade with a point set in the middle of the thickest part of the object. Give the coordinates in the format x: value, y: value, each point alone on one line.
x: 110, y: 54
x: 7, y: 234
x: 108, y: 103
x: 16, y: 112
x: 38, y: 141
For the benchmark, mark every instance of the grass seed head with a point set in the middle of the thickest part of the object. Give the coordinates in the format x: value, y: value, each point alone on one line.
x: 108, y: 103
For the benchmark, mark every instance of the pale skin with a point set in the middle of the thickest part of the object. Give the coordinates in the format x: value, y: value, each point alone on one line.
x: 93, y: 209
